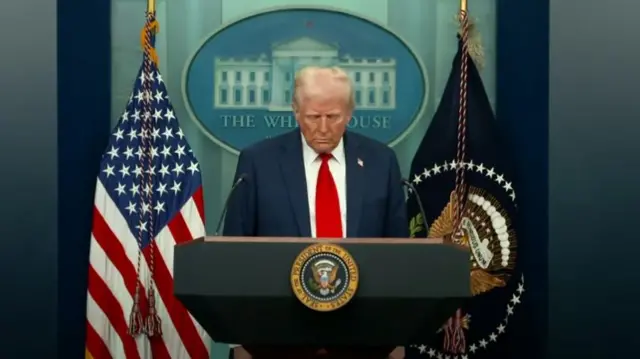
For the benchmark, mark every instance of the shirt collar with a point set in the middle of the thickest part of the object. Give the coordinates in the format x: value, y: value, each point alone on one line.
x: 309, y: 155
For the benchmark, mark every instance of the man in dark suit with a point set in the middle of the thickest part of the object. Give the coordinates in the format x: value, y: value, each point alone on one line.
x: 319, y: 180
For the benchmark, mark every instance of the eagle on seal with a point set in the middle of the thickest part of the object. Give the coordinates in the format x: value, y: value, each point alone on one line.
x: 443, y: 227
x: 325, y: 275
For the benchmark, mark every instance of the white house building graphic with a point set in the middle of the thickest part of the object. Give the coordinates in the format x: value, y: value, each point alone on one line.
x: 266, y: 83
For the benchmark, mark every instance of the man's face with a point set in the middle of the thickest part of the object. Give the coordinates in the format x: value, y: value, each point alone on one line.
x: 323, y: 121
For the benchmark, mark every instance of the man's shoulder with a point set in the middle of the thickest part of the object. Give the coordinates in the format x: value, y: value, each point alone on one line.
x: 267, y: 147
x: 370, y: 145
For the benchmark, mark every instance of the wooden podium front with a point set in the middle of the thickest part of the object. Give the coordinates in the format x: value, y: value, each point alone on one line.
x: 240, y: 290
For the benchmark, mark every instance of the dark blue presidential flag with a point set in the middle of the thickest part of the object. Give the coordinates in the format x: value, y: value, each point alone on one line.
x: 463, y: 155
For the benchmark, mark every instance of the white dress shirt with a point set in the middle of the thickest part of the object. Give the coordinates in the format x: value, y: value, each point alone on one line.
x: 338, y: 168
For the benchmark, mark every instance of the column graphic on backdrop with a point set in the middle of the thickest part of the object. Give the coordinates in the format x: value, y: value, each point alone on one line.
x: 238, y: 85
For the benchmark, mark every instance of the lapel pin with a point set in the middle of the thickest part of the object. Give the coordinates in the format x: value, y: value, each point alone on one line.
x: 360, y: 163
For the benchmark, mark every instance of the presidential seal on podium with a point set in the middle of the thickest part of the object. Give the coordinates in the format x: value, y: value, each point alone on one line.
x: 324, y: 277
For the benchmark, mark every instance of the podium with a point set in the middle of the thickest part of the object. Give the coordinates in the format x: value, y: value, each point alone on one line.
x: 239, y: 290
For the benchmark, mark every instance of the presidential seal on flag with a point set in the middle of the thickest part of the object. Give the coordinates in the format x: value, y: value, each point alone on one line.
x: 487, y: 230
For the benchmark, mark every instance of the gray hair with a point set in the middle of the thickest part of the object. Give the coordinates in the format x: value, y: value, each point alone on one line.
x: 310, y: 80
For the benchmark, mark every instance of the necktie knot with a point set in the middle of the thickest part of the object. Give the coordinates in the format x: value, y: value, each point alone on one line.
x: 325, y: 157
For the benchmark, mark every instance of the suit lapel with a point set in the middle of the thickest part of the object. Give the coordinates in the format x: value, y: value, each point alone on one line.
x: 355, y: 181
x: 292, y: 167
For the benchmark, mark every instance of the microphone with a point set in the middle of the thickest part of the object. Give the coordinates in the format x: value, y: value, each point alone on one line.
x: 409, y: 185
x: 237, y: 183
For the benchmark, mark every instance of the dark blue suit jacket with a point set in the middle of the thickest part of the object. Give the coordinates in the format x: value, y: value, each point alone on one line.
x: 272, y: 200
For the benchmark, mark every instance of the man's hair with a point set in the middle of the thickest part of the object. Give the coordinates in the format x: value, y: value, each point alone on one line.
x: 310, y: 81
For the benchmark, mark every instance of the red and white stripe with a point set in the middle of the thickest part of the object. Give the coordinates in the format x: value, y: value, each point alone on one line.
x: 112, y: 283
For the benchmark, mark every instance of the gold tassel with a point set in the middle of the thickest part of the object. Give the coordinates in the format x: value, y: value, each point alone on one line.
x: 145, y: 43
x: 474, y: 42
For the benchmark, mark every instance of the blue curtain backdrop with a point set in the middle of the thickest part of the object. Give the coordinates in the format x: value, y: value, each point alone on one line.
x: 84, y: 125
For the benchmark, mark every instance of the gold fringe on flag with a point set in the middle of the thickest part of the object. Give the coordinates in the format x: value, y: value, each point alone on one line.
x: 474, y: 41
x: 474, y: 44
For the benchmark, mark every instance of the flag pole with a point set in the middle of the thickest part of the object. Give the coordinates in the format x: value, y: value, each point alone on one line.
x: 153, y: 323
x: 459, y: 190
x: 148, y: 322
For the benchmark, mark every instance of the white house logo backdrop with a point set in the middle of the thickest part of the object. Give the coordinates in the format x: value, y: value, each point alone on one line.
x: 492, y: 243
x: 238, y: 85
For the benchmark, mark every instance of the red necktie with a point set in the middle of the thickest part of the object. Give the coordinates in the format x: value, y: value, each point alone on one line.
x: 328, y: 218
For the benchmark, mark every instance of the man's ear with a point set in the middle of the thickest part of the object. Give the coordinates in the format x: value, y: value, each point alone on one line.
x: 348, y: 116
x: 296, y: 110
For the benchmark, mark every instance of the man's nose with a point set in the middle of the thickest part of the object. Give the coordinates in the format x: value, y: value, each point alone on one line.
x: 323, y: 125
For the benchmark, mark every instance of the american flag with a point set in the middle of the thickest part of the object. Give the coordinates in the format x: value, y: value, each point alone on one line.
x: 148, y: 198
